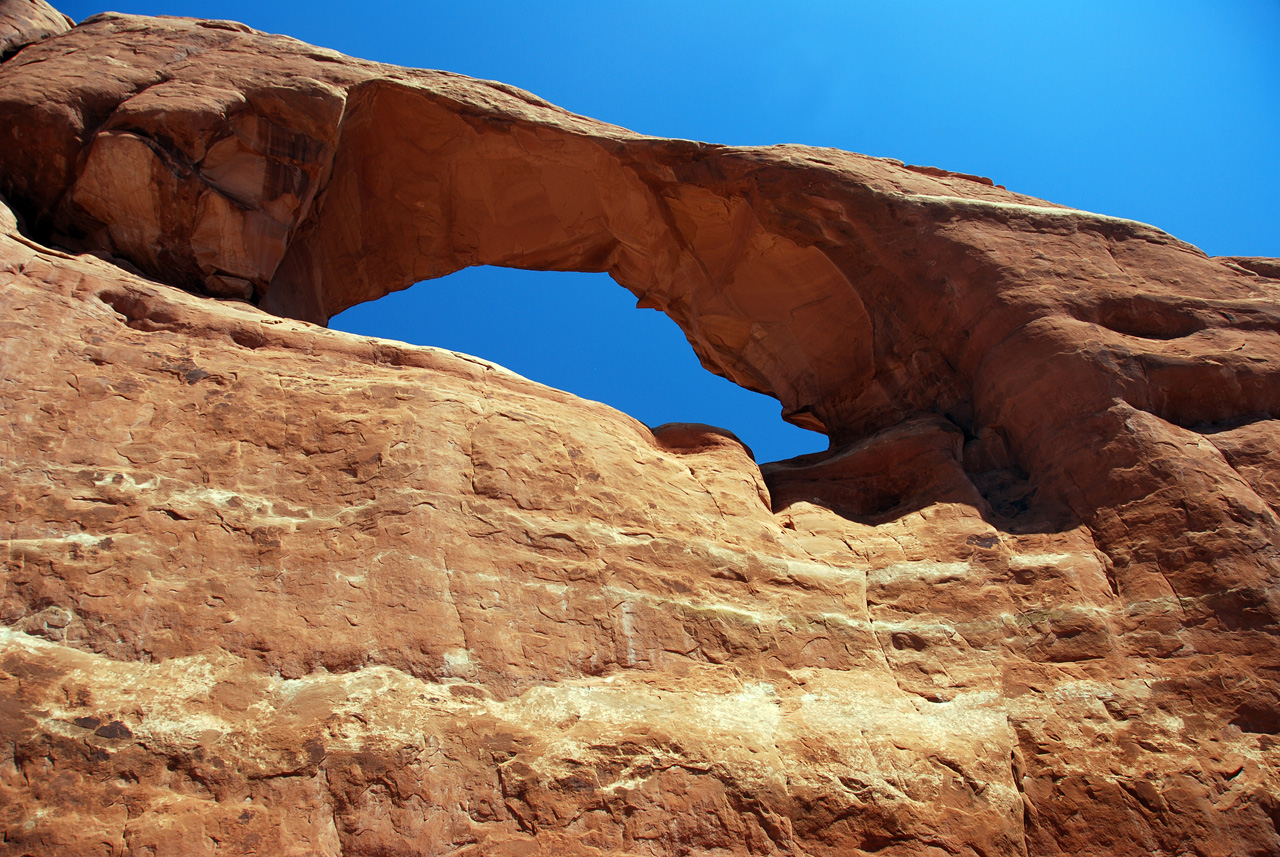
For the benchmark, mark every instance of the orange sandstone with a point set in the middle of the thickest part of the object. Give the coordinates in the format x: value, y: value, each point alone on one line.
x: 275, y: 589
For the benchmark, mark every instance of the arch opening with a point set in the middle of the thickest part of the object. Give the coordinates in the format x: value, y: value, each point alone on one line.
x: 581, y: 333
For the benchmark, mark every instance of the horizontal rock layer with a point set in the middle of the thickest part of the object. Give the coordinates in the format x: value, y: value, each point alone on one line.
x: 273, y: 588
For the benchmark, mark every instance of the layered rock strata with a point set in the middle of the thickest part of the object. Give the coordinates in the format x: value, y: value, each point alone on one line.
x: 275, y: 589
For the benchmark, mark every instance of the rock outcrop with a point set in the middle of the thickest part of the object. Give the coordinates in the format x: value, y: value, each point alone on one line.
x: 25, y: 22
x: 275, y: 589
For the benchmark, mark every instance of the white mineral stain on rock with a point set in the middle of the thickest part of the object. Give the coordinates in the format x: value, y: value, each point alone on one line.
x: 458, y: 662
x: 927, y: 572
x: 1042, y: 560
x: 126, y: 482
x: 81, y: 539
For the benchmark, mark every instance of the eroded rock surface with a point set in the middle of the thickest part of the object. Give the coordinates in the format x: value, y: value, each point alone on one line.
x: 25, y: 22
x: 275, y: 589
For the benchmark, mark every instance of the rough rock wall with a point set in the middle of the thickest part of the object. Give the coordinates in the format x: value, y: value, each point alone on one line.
x: 272, y: 588
x: 25, y: 22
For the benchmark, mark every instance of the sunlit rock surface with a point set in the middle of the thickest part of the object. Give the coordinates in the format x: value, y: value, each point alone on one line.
x: 274, y: 589
x: 25, y: 22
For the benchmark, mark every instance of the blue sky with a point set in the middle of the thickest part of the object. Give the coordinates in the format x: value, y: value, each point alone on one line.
x: 1165, y: 112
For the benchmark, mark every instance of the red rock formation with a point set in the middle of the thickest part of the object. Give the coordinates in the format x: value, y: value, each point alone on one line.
x: 276, y: 589
x: 25, y: 22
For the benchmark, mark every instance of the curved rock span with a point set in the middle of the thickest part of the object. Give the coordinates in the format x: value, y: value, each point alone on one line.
x: 274, y: 589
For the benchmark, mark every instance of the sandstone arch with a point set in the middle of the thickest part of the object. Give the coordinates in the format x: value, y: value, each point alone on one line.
x: 1046, y: 377
x: 857, y: 291
x: 475, y: 191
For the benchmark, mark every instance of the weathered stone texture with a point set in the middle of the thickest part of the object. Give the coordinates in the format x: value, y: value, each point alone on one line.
x: 275, y: 589
x: 25, y: 22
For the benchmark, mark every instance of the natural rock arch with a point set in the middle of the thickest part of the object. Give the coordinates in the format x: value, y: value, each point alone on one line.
x: 580, y: 333
x: 1076, y: 349
x: 273, y: 586
x: 475, y: 191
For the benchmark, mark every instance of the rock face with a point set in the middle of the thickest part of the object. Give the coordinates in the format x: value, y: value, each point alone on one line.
x: 274, y: 589
x: 25, y: 22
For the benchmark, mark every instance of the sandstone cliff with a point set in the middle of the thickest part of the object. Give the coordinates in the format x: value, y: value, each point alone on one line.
x: 274, y: 589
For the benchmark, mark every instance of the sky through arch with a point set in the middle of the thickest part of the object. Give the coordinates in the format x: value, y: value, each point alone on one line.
x: 581, y: 333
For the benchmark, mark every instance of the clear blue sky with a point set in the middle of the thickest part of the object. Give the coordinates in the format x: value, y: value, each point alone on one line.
x: 1166, y: 112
